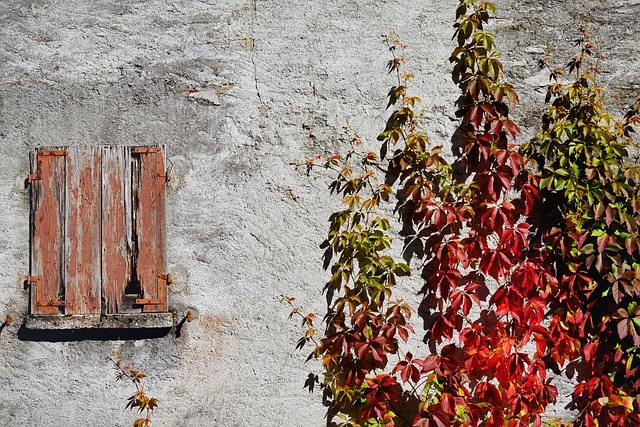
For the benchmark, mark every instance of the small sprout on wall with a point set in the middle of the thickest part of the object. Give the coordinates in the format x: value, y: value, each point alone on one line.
x: 138, y: 400
x: 308, y: 320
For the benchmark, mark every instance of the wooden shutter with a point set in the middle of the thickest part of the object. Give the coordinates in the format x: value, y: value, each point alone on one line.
x: 83, y: 232
x: 48, y: 213
x: 98, y: 231
x: 116, y: 230
x: 148, y: 190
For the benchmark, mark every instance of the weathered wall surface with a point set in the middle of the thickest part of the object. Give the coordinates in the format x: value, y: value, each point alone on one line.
x: 277, y: 81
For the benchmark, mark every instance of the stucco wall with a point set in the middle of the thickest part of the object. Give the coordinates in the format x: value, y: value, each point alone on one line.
x: 277, y: 81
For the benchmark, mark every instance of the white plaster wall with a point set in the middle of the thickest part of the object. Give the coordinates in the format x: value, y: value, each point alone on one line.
x: 278, y: 81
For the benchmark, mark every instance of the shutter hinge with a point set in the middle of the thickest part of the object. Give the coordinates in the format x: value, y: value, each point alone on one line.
x: 37, y: 176
x: 160, y: 170
x: 148, y: 301
x: 52, y: 152
x: 51, y: 303
x: 33, y: 279
x: 166, y: 277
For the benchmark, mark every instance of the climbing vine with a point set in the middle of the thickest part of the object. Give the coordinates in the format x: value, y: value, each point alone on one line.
x: 528, y: 254
x: 591, y: 195
x: 139, y: 400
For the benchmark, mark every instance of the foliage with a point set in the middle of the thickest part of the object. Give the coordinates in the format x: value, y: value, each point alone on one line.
x: 591, y: 194
x: 139, y: 399
x: 529, y: 255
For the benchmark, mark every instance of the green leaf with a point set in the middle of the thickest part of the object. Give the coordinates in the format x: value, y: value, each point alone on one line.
x: 402, y: 269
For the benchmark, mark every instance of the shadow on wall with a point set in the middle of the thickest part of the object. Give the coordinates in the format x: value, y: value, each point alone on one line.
x: 59, y: 334
x: 102, y: 334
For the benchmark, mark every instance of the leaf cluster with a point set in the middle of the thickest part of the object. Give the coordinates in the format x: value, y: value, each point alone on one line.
x: 139, y: 400
x: 592, y: 195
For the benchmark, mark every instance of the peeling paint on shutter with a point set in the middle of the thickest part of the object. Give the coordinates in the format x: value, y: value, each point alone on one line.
x: 48, y: 200
x: 148, y: 191
x: 83, y: 257
x: 116, y: 229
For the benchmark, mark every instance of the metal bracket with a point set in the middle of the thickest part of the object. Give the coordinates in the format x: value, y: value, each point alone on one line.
x: 148, y: 301
x: 37, y: 176
x: 166, y: 277
x: 160, y: 170
x: 51, y: 303
x: 52, y: 152
x: 33, y: 279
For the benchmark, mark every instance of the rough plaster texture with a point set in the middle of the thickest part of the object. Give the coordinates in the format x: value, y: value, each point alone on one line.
x: 277, y: 81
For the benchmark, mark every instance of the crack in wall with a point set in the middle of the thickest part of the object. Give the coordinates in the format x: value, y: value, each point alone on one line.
x: 255, y: 79
x: 254, y: 13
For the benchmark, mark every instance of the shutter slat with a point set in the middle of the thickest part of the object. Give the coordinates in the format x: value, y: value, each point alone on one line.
x: 116, y: 228
x: 150, y: 227
x: 47, y: 233
x: 83, y: 243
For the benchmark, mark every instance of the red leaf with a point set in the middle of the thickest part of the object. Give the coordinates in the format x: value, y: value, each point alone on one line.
x: 505, y: 179
x: 516, y: 162
x: 590, y: 350
x: 511, y: 129
x: 588, y: 421
x: 475, y: 116
x: 531, y: 194
x: 488, y: 109
x: 623, y: 328
x: 404, y: 333
x: 496, y: 126
x: 603, y: 240
x: 609, y: 216
x: 439, y: 422
x: 495, y: 264
x: 448, y: 405
x: 363, y: 350
x: 429, y: 364
x: 489, y: 393
x: 615, y: 290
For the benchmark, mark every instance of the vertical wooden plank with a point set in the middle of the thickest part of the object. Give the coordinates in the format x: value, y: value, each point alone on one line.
x: 116, y: 228
x: 149, y: 214
x: 83, y: 243
x: 47, y: 233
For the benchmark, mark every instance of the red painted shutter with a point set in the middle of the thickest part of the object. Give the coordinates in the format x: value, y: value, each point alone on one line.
x: 48, y: 199
x: 116, y: 229
x: 83, y: 249
x: 148, y: 191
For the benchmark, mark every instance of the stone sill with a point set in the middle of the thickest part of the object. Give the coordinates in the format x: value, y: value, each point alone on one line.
x: 97, y: 321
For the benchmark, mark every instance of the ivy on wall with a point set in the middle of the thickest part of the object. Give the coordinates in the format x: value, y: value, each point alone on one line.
x: 528, y: 253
